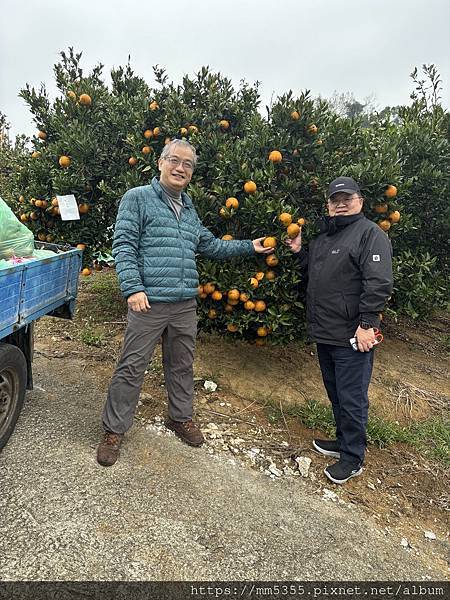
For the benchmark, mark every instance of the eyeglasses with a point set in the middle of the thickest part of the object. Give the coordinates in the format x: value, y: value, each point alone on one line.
x: 176, y: 162
x: 342, y: 200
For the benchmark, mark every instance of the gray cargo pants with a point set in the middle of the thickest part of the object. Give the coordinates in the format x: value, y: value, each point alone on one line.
x: 176, y: 322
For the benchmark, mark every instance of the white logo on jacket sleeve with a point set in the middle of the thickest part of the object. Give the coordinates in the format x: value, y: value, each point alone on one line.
x: 376, y: 258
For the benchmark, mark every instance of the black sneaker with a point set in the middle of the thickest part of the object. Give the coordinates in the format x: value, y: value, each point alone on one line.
x: 327, y: 447
x: 342, y: 471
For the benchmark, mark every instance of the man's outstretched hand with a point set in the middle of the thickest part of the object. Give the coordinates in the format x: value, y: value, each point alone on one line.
x: 295, y: 244
x: 259, y: 248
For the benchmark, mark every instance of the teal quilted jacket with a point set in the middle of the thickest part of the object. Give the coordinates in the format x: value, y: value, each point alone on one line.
x: 154, y: 252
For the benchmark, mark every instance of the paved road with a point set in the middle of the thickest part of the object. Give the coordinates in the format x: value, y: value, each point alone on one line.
x: 164, y: 511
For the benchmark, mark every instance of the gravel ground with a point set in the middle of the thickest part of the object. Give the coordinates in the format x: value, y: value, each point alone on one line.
x: 165, y: 511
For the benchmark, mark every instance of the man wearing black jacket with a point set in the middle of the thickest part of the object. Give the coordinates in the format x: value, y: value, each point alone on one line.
x: 349, y: 272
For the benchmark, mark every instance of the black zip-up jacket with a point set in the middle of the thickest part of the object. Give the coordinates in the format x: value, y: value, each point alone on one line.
x: 349, y: 270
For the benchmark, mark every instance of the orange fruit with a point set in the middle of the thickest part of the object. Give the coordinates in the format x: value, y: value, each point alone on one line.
x: 147, y: 149
x: 24, y: 217
x: 394, y: 217
x: 71, y: 95
x: 243, y: 297
x: 38, y: 203
x: 216, y: 295
x: 49, y: 238
x: 260, y: 342
x: 81, y: 246
x: 391, y: 191
x: 233, y: 294
x: 132, y: 161
x: 295, y: 115
x: 293, y: 230
x: 227, y: 237
x: 224, y: 124
x: 249, y: 305
x: 212, y: 313
x: 157, y: 131
x: 269, y: 242
x: 228, y: 308
x: 260, y: 306
x: 385, y: 224
x: 380, y: 208
x: 209, y: 288
x: 21, y: 199
x: 153, y: 105
x: 42, y: 135
x: 42, y: 236
x: 35, y: 154
x: 270, y: 275
x: 64, y: 161
x: 85, y: 100
x: 233, y: 302
x: 192, y: 129
x: 262, y: 331
x: 231, y: 202
x: 148, y: 134
x: 285, y: 218
x: 275, y: 156
x: 301, y: 221
x: 272, y: 260
x: 33, y: 216
x: 167, y: 141
x: 259, y: 275
x: 254, y: 282
x: 250, y: 187
x: 86, y: 272
x: 223, y: 212
x: 312, y: 129
x: 55, y: 202
x: 83, y: 208
x: 44, y: 203
x: 319, y: 142
x: 203, y: 295
x: 232, y: 327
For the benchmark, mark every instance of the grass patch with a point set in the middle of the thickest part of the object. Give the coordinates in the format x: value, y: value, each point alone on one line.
x: 102, y: 299
x: 430, y: 437
x: 92, y: 337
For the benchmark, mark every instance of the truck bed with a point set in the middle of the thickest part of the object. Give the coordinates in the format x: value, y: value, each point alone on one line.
x: 39, y: 287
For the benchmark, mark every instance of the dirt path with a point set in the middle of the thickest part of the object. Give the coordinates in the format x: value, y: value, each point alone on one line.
x: 166, y: 511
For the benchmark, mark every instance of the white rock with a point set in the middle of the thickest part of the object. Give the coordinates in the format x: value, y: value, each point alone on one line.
x: 274, y: 470
x: 210, y: 386
x: 371, y: 486
x: 329, y: 495
x: 430, y: 535
x: 404, y: 542
x: 303, y: 463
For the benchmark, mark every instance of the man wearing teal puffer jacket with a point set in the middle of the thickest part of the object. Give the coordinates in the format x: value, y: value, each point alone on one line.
x: 157, y: 236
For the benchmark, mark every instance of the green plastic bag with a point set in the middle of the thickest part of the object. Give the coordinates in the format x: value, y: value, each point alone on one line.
x: 15, y: 238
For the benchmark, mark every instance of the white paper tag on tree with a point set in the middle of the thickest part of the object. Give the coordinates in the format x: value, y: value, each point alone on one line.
x: 68, y: 208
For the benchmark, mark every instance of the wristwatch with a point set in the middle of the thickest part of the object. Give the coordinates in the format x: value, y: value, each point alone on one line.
x: 365, y: 325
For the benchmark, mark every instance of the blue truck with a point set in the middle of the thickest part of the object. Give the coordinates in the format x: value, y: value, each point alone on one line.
x: 28, y: 291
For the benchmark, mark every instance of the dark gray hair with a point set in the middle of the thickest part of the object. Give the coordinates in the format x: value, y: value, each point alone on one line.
x: 183, y: 144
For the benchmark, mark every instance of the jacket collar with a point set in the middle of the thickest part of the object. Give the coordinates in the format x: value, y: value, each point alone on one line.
x: 331, y: 225
x: 187, y: 202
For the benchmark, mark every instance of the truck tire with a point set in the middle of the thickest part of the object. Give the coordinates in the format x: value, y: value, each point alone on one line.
x: 13, y: 382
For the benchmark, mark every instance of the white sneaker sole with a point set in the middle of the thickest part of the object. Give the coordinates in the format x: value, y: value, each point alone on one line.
x: 326, y: 452
x: 341, y: 481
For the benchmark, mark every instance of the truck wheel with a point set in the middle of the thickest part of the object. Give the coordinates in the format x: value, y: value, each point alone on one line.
x: 13, y: 381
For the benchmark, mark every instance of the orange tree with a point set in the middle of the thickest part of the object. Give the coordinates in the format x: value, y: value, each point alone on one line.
x: 256, y: 175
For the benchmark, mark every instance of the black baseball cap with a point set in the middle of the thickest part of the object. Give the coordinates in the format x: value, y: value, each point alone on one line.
x: 343, y: 184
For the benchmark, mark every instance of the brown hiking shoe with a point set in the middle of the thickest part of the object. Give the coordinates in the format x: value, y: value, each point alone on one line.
x: 109, y: 449
x: 188, y: 431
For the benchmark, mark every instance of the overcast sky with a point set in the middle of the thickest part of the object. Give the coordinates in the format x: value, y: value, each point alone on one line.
x: 360, y: 46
